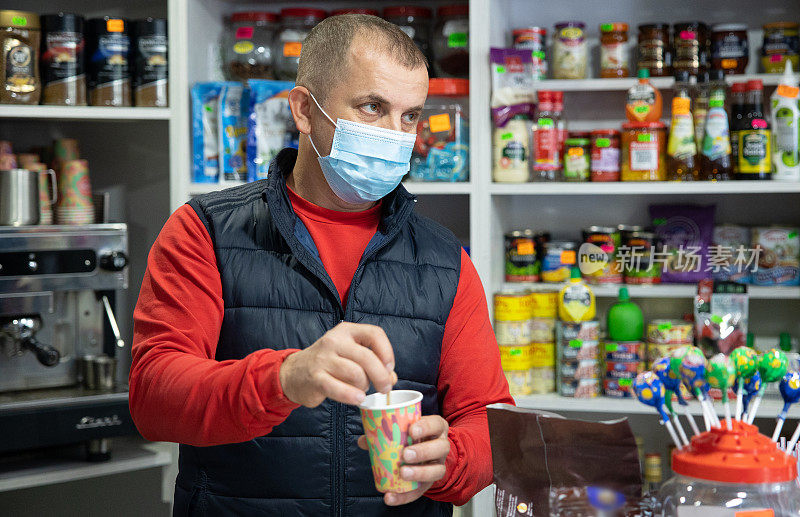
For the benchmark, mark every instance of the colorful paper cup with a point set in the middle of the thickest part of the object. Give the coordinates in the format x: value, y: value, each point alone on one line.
x: 386, y: 428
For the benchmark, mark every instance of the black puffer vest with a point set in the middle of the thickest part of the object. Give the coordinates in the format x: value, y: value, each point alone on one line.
x: 277, y: 295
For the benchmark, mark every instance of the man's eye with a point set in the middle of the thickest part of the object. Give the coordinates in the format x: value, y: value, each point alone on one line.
x: 371, y: 108
x: 410, y: 118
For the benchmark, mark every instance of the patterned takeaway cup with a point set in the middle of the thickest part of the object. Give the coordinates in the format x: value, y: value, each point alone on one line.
x: 386, y: 429
x: 74, y: 187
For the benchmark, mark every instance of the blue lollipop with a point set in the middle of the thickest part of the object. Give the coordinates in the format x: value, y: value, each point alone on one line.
x: 693, y: 374
x: 750, y: 388
x: 672, y: 384
x: 650, y: 392
x: 790, y: 391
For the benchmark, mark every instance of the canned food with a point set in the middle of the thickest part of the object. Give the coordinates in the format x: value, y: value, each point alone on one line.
x: 515, y: 358
x: 655, y: 352
x: 669, y: 332
x: 512, y: 305
x: 624, y: 351
x: 543, y: 330
x: 543, y: 380
x: 579, y: 369
x: 618, y: 388
x: 544, y: 304
x: 598, y: 255
x: 543, y: 355
x: 582, y: 388
x: 637, y: 260
x: 580, y: 350
x: 580, y: 331
x: 521, y: 262
x: 558, y: 259
x: 513, y: 332
x: 625, y: 231
x: 519, y: 382
x: 623, y: 369
x: 533, y: 38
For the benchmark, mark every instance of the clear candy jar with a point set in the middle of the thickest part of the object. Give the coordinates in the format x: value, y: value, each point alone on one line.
x: 731, y: 473
x: 441, y: 151
x: 296, y: 23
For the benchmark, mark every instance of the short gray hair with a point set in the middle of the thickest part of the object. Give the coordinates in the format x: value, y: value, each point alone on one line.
x: 325, y: 49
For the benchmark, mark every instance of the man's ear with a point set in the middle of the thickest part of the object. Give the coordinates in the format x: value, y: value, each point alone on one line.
x: 300, y: 104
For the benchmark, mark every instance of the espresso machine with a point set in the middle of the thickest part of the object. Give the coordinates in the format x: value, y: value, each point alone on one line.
x: 58, y: 330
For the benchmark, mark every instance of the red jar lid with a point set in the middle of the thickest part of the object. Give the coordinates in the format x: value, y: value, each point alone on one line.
x: 740, y: 455
x: 302, y: 12
x: 643, y: 125
x: 416, y: 11
x: 254, y: 16
x: 453, y: 10
x: 529, y: 30
x: 448, y: 86
x: 356, y: 10
x: 605, y: 132
x: 755, y: 84
x: 738, y: 87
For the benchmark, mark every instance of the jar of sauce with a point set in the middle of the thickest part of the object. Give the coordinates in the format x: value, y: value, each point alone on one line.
x: 655, y: 53
x: 450, y: 41
x: 689, y: 41
x: 605, y: 155
x: 296, y: 23
x: 20, y: 39
x: 577, y: 157
x: 781, y: 44
x: 569, y: 51
x: 535, y: 39
x: 614, y: 50
x: 644, y: 149
x: 415, y: 21
x: 729, y: 48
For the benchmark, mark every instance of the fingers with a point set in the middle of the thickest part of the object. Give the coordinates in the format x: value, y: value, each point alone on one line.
x: 340, y: 391
x: 378, y: 373
x: 393, y: 499
x: 424, y: 452
x: 349, y: 372
x: 428, y: 473
x: 375, y: 339
x: 431, y: 426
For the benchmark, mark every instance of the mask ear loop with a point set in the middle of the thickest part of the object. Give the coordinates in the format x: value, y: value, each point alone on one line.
x: 326, y: 116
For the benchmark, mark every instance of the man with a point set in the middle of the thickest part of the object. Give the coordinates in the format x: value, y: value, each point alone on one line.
x: 268, y: 310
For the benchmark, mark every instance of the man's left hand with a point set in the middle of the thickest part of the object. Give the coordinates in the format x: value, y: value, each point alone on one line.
x: 424, y: 461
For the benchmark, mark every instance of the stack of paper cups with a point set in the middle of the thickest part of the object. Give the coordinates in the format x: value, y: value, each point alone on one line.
x: 664, y: 336
x: 8, y: 160
x: 544, y: 305
x: 578, y: 365
x: 75, y: 204
x: 64, y: 150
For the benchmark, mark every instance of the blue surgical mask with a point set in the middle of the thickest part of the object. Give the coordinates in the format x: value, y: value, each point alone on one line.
x: 366, y: 162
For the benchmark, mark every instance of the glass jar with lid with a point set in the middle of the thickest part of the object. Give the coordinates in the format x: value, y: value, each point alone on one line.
x: 450, y: 41
x: 690, y: 42
x: 569, y: 51
x: 655, y: 51
x: 730, y: 50
x: 247, y: 45
x: 441, y: 151
x: 415, y: 21
x: 644, y: 148
x: 296, y: 23
x: 614, y: 50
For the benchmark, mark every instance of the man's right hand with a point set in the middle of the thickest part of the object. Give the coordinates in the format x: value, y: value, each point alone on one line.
x: 340, y: 366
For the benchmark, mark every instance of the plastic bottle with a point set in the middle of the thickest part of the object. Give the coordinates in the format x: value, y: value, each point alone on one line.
x: 715, y: 153
x: 700, y: 107
x: 784, y: 117
x: 737, y: 121
x: 546, y: 149
x: 625, y: 321
x: 644, y: 100
x: 681, y: 146
x: 576, y: 300
x: 755, y: 139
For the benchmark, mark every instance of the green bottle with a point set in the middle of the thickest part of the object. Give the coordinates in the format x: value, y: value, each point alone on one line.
x: 625, y: 320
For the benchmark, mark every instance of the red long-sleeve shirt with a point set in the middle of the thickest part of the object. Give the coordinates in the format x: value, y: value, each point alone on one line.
x: 180, y: 393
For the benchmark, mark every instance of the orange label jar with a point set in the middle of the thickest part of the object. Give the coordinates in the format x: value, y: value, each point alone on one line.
x: 644, y: 146
x: 614, y: 50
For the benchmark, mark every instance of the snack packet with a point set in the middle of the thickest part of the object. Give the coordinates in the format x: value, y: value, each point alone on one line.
x: 512, y: 84
x: 270, y: 126
x: 233, y: 107
x: 720, y: 316
x: 205, y: 132
x: 686, y: 232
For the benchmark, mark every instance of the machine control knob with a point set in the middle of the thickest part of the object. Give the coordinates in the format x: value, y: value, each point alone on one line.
x: 114, y: 261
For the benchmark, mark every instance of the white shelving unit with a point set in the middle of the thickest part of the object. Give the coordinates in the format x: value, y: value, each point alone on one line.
x: 623, y: 84
x: 660, y: 291
x: 92, y: 113
x: 661, y: 188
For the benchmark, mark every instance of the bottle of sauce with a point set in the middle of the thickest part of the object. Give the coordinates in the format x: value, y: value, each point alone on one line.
x: 681, y: 146
x: 546, y: 146
x: 644, y: 101
x: 755, y: 140
x: 576, y: 300
x: 512, y: 151
x: 700, y: 107
x: 715, y: 154
x: 737, y: 121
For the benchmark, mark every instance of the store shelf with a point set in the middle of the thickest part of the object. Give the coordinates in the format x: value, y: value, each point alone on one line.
x: 420, y: 187
x: 655, y: 188
x: 769, y: 407
x: 589, y: 85
x: 126, y: 456
x: 98, y: 113
x: 668, y: 290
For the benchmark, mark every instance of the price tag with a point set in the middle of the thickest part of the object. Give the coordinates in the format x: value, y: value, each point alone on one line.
x: 728, y: 63
x: 575, y: 343
x: 602, y: 142
x: 645, y: 137
x: 243, y: 47
x: 625, y: 383
x: 790, y: 92
x: 545, y: 123
x: 575, y: 151
x: 244, y: 33
x: 457, y: 40
x: 506, y: 136
x: 793, y: 235
x: 115, y: 25
x: 440, y: 122
x: 665, y: 326
x: 19, y: 21
x: 525, y: 248
x: 568, y: 257
x: 612, y: 347
x: 500, y: 69
x: 607, y: 27
x: 292, y: 48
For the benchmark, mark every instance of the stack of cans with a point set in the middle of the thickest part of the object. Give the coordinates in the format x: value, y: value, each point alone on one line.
x: 544, y: 305
x: 578, y: 365
x: 664, y: 336
x: 624, y: 360
x: 512, y: 328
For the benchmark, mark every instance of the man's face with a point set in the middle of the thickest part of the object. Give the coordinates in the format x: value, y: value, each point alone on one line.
x: 373, y: 89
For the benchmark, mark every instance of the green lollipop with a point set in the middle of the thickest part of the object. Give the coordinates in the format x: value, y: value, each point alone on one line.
x: 745, y: 362
x: 721, y: 375
x: 772, y: 366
